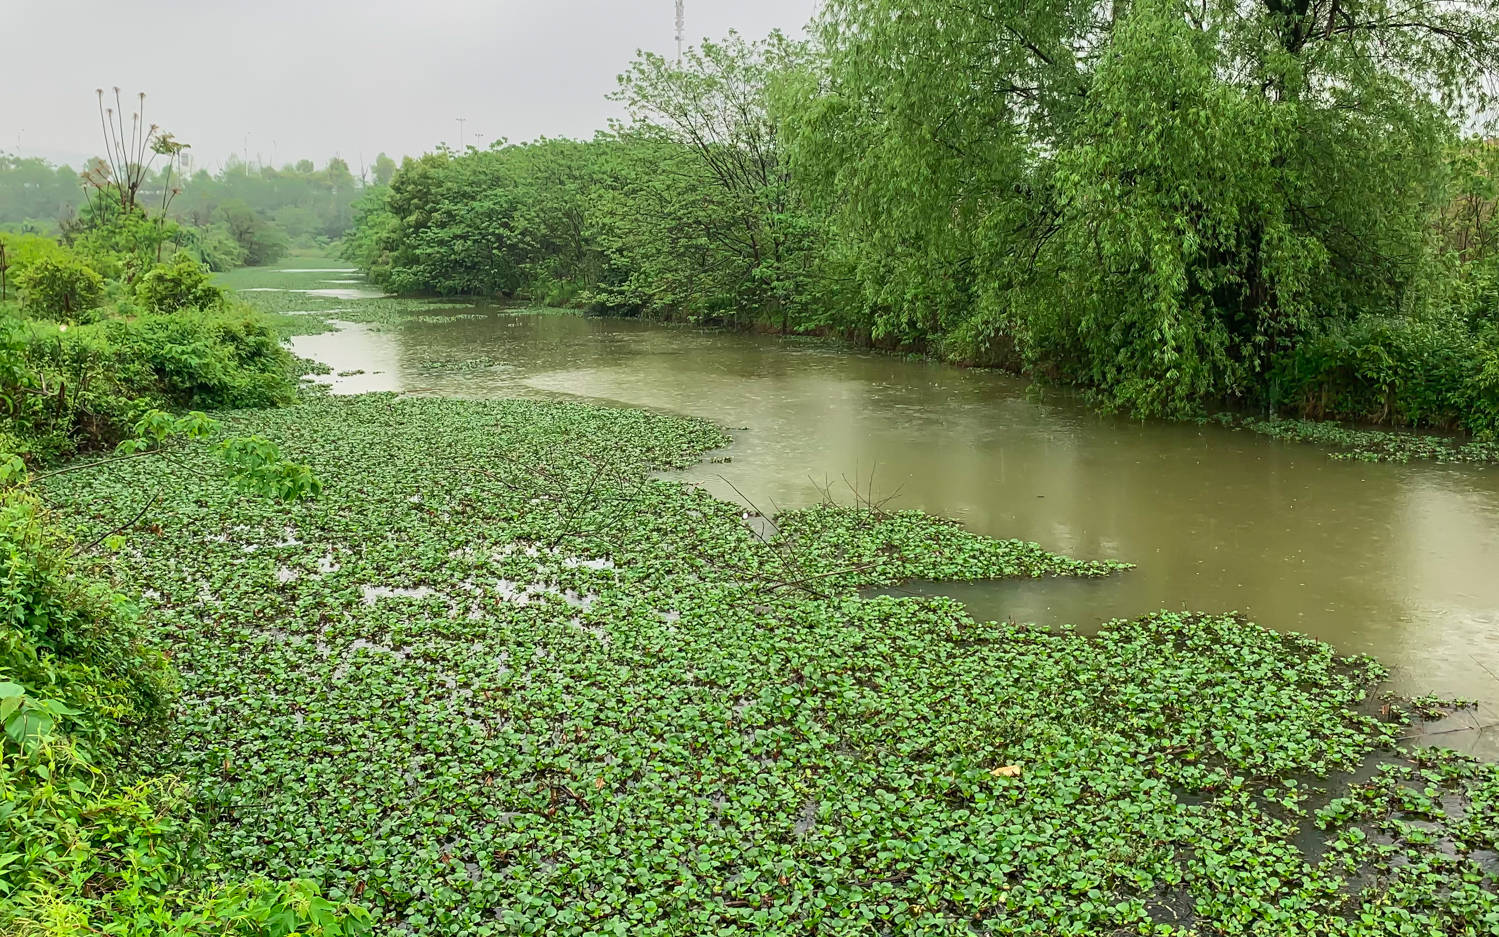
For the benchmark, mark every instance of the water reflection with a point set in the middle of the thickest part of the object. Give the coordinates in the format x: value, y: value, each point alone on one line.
x: 1395, y: 560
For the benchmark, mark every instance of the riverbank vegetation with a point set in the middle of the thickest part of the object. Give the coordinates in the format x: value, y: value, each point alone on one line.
x: 112, y: 342
x: 1272, y: 207
x: 117, y: 316
x: 84, y: 353
x: 473, y: 667
x: 498, y: 678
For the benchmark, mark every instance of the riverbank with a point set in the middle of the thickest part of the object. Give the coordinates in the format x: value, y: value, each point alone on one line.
x: 498, y: 679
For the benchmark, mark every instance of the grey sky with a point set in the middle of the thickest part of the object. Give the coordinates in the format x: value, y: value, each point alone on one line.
x: 310, y: 78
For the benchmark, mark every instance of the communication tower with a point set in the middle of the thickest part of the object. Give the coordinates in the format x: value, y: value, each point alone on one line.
x: 681, y: 22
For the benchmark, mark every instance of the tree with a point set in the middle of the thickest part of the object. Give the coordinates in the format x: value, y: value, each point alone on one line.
x: 261, y: 242
x: 384, y: 169
x: 714, y: 106
x: 1150, y: 198
x: 119, y: 178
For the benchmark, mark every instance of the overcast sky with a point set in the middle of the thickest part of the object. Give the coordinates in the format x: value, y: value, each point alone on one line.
x: 311, y: 78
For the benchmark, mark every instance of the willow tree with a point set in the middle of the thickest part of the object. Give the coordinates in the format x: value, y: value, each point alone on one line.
x: 1152, y: 197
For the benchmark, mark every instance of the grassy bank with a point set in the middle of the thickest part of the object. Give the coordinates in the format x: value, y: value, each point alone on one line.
x: 498, y: 680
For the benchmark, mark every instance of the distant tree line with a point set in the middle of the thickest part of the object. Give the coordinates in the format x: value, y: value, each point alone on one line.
x: 241, y: 215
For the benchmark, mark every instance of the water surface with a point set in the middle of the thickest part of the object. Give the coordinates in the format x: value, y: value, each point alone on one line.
x: 1400, y: 561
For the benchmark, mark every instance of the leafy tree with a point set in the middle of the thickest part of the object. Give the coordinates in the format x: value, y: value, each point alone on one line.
x: 261, y: 242
x: 384, y: 169
x: 688, y: 212
x: 449, y: 224
x: 1151, y: 199
x: 734, y: 212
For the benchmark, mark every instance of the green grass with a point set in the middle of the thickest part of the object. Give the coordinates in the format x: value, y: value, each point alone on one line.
x: 498, y: 679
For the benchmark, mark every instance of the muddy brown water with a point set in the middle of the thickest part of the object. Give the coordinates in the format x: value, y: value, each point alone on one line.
x: 1398, y: 561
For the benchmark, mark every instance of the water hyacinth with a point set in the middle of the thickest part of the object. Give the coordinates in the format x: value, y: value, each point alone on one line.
x: 499, y: 679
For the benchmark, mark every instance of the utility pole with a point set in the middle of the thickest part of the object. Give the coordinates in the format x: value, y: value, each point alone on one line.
x: 460, y: 132
x: 479, y: 141
x: 681, y: 22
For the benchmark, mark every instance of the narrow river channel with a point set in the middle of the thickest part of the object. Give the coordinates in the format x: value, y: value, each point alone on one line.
x: 1398, y: 561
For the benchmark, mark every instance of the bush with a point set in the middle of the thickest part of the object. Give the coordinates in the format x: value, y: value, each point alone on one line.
x: 220, y: 361
x: 75, y: 674
x: 19, y: 251
x: 1436, y: 372
x: 82, y: 388
x: 59, y: 287
x: 69, y: 638
x: 182, y: 284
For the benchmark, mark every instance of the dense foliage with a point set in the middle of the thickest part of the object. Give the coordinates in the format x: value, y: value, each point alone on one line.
x: 497, y: 679
x: 59, y: 287
x: 689, y: 212
x: 182, y: 284
x: 67, y: 390
x: 100, y: 332
x: 1258, y: 204
x: 91, y: 841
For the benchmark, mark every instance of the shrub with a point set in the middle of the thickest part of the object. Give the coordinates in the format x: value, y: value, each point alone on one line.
x: 18, y: 251
x: 59, y: 287
x: 75, y: 675
x: 82, y: 388
x: 182, y: 284
x: 225, y: 360
x: 1479, y: 398
x: 66, y: 636
x: 1437, y: 372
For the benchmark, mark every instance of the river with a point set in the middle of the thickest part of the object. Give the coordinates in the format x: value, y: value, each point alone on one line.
x: 1398, y: 561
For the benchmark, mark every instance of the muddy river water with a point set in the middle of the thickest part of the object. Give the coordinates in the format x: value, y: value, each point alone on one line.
x: 1399, y: 561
